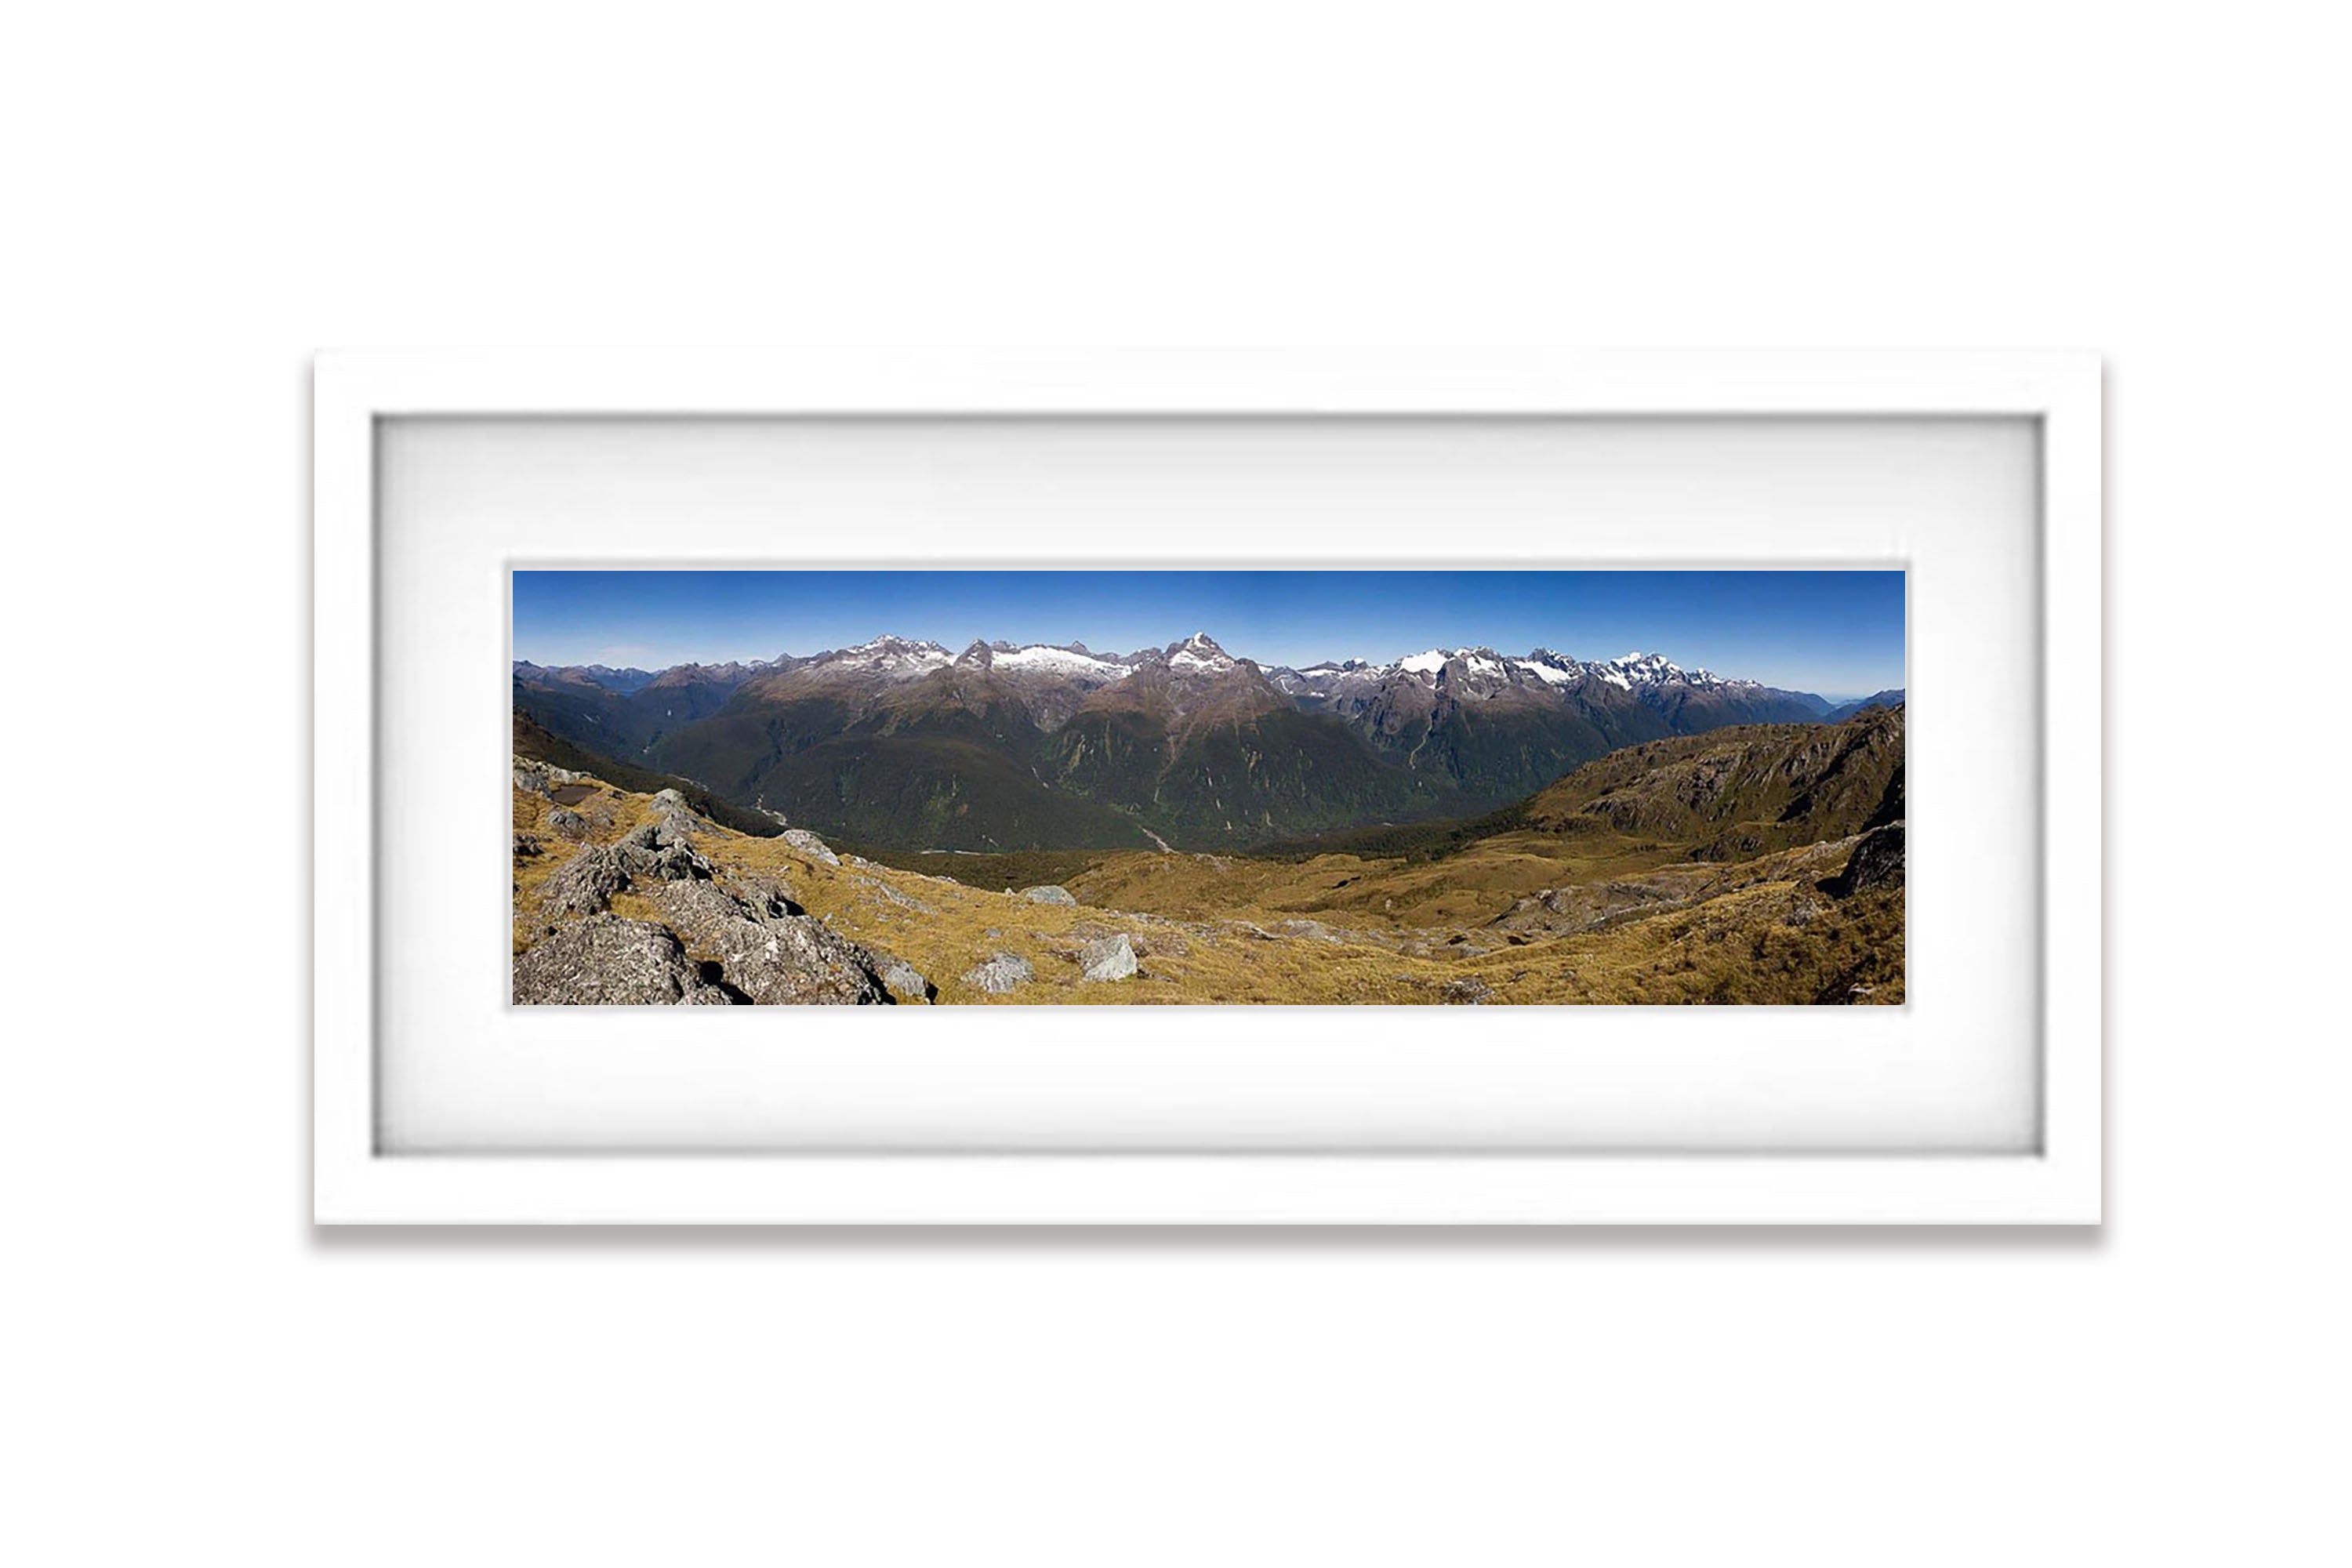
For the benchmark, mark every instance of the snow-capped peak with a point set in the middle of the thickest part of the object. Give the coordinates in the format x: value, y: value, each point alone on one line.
x: 893, y: 658
x: 1549, y: 667
x: 1646, y: 668
x: 1199, y: 654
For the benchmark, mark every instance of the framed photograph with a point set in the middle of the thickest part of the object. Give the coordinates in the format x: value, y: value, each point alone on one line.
x: 1297, y: 789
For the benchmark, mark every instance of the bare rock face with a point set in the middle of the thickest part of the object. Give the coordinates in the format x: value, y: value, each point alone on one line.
x: 567, y: 823
x: 771, y: 960
x: 1049, y: 894
x: 1876, y: 861
x: 1107, y: 958
x: 1001, y: 975
x: 810, y: 845
x: 607, y: 962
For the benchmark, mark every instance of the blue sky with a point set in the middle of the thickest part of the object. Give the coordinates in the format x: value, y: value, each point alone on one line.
x: 1836, y: 633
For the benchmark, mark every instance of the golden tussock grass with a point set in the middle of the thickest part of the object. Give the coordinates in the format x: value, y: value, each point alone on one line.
x: 1212, y: 929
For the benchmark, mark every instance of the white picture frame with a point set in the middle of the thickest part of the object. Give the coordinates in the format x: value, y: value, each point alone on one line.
x: 357, y: 1180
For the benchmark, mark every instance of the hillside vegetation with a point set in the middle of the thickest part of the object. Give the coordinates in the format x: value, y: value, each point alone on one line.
x: 1760, y: 864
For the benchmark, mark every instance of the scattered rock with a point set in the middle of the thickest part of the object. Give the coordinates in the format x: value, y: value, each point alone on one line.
x: 810, y: 845
x: 1001, y: 975
x: 1467, y: 992
x: 1049, y: 894
x: 567, y: 823
x: 527, y: 846
x: 668, y: 800
x: 1107, y: 958
x: 891, y: 895
x: 607, y: 962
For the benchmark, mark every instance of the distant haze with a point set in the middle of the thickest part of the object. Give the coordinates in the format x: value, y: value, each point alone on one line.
x: 1839, y: 634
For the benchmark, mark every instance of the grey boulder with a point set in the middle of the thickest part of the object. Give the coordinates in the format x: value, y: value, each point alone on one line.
x: 1049, y: 894
x: 902, y: 979
x: 1107, y: 958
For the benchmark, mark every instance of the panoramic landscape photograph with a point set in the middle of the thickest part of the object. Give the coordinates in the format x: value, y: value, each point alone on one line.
x: 1120, y: 787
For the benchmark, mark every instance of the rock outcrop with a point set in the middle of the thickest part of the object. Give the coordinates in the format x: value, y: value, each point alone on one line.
x: 1876, y: 862
x: 742, y: 940
x: 810, y: 845
x: 771, y: 960
x: 539, y: 778
x: 766, y: 895
x: 1049, y: 894
x: 585, y: 885
x: 607, y: 962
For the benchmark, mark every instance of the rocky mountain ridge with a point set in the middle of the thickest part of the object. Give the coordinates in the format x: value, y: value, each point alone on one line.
x: 1470, y: 672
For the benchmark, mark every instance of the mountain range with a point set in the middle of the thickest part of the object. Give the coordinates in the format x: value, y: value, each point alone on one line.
x: 1004, y: 747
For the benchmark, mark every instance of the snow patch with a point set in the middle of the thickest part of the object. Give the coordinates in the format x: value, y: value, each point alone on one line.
x: 1051, y: 660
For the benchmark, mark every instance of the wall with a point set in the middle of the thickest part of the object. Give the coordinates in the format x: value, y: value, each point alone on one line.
x: 201, y: 196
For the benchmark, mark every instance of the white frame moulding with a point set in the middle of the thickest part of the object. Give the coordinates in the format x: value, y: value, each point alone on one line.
x: 2061, y: 1183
